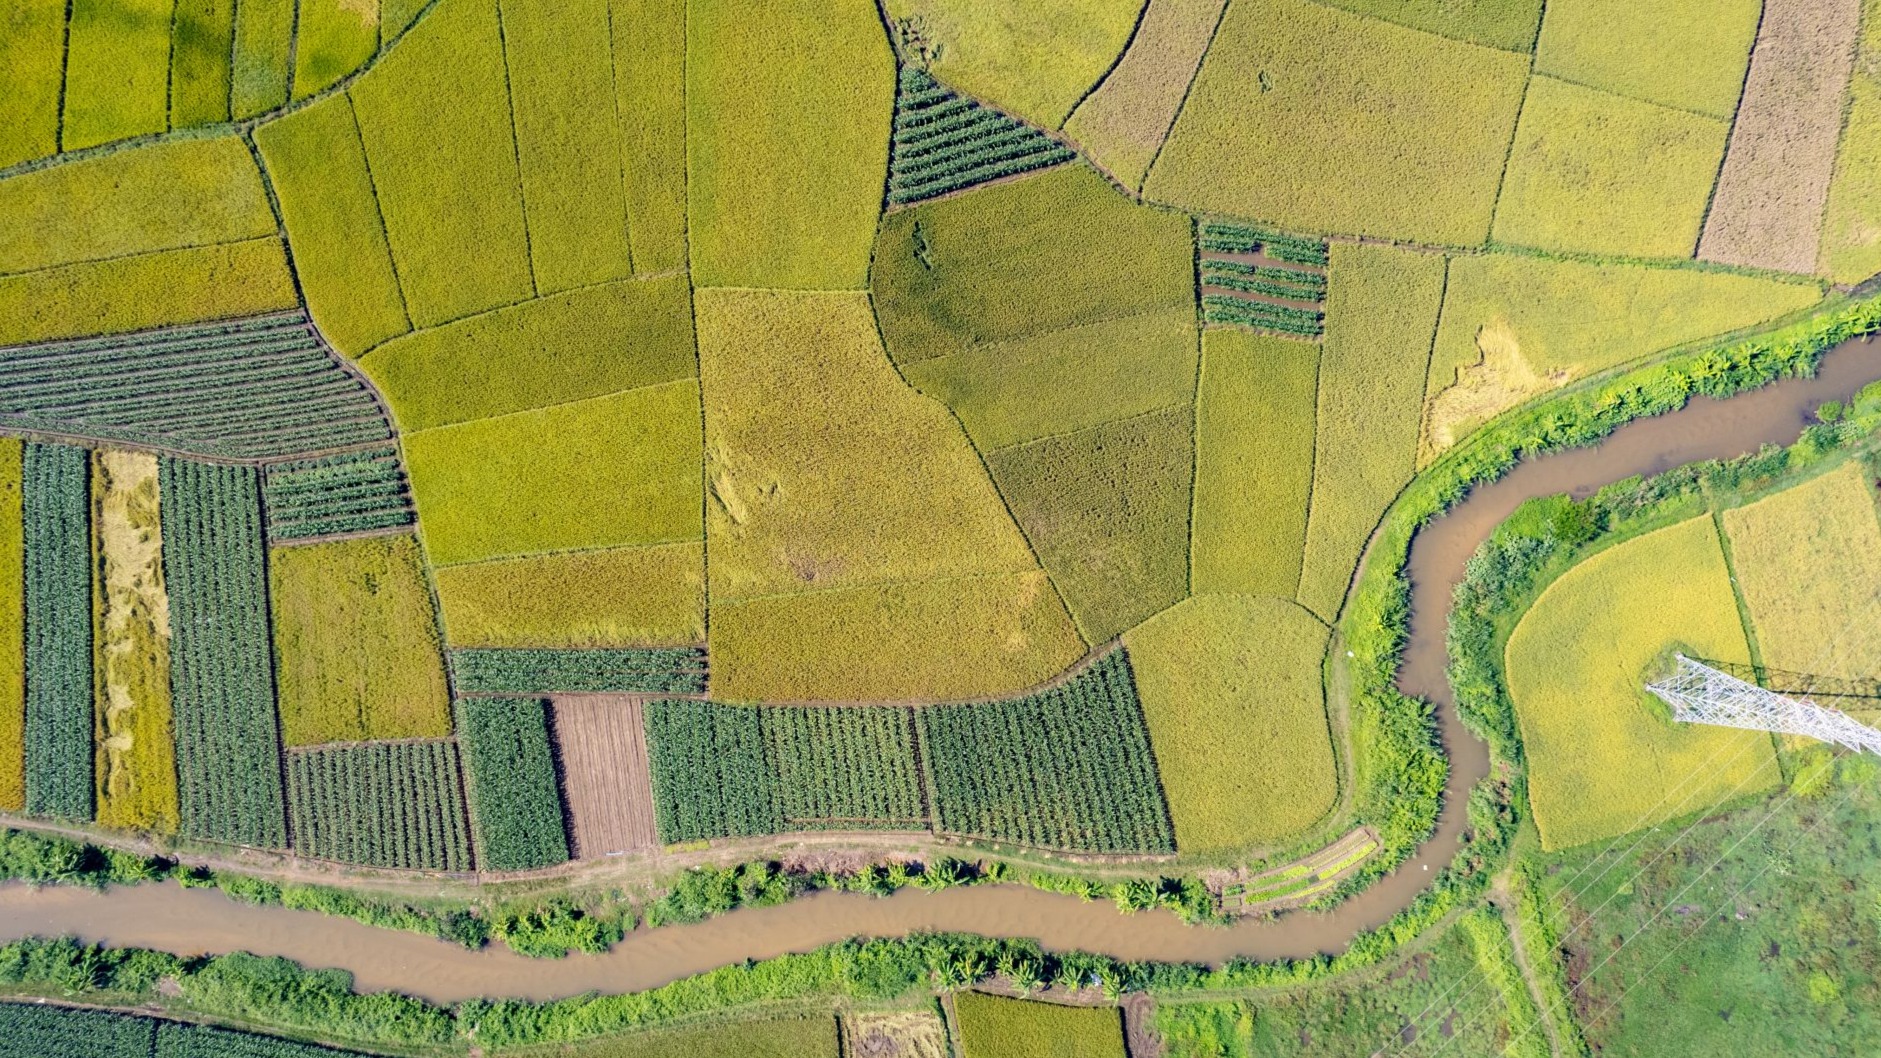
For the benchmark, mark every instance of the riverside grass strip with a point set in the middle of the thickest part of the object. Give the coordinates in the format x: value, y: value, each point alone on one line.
x: 515, y: 803
x: 353, y: 492
x: 56, y: 516
x: 943, y: 142
x: 228, y: 743
x: 654, y: 670
x: 380, y: 804
x: 255, y: 388
x: 1093, y: 784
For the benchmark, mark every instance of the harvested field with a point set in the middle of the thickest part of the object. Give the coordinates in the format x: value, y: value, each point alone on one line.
x: 1124, y: 121
x: 1768, y: 207
x: 601, y: 743
x: 895, y: 1034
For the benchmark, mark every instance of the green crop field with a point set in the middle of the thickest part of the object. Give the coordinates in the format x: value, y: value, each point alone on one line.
x: 1602, y: 761
x: 380, y: 804
x: 617, y: 596
x: 1690, y: 54
x: 1232, y: 692
x: 993, y: 1027
x: 1593, y: 172
x: 1253, y: 462
x: 515, y: 805
x: 12, y: 631
x: 1317, y: 119
x: 1808, y: 615
x: 1381, y: 311
x: 56, y: 516
x: 356, y: 644
x: 1107, y: 511
x: 1040, y: 254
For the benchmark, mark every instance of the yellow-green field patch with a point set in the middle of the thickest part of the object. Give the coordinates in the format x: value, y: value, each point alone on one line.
x: 332, y: 38
x: 434, y: 117
x: 1593, y: 172
x: 1515, y: 325
x: 992, y: 1027
x: 1381, y: 314
x: 1231, y: 689
x: 117, y: 71
x: 1507, y: 24
x: 1254, y: 419
x: 561, y: 86
x: 787, y: 126
x: 202, y: 48
x: 1107, y: 511
x: 1048, y: 252
x: 612, y: 597
x: 1065, y: 380
x: 356, y: 642
x: 318, y: 169
x: 1689, y: 54
x: 32, y: 71
x: 1317, y: 119
x: 1032, y: 58
x: 619, y: 469
x: 1602, y: 760
x: 825, y: 469
x: 148, y: 290
x: 550, y: 350
x: 932, y: 640
x: 160, y: 197
x: 12, y: 632
x: 264, y: 34
x: 1813, y: 613
x: 1851, y: 222
x: 1123, y: 122
x: 650, y: 98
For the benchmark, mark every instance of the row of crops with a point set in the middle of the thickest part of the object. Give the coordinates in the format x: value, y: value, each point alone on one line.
x: 1253, y: 277
x: 228, y: 745
x: 944, y: 142
x: 1069, y: 768
x: 380, y: 804
x: 264, y: 387
x: 55, y: 507
x: 515, y: 802
x: 40, y: 1031
x: 655, y: 670
x: 353, y: 492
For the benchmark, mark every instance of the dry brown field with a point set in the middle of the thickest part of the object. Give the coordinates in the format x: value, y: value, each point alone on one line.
x: 601, y: 742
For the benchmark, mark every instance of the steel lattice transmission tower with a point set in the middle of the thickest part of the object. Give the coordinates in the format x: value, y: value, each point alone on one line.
x: 1700, y: 694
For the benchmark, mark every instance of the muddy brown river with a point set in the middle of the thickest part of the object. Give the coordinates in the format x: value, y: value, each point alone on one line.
x: 191, y: 921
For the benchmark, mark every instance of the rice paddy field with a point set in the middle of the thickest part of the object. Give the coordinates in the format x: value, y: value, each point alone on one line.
x: 562, y: 443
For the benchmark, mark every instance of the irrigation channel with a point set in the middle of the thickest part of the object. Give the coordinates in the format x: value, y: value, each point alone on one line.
x: 190, y: 921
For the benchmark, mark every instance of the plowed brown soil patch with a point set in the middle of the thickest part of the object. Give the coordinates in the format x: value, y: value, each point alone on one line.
x: 1767, y: 211
x: 601, y: 740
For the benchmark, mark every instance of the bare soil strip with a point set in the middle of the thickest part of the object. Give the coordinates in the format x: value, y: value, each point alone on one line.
x: 601, y: 741
x: 1767, y: 209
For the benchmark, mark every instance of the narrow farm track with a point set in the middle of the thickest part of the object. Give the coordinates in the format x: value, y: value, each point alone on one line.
x: 196, y: 920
